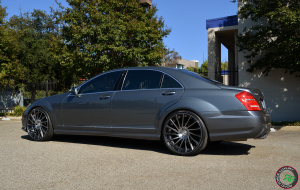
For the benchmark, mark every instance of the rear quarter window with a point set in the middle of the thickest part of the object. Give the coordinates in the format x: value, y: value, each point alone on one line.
x: 169, y: 82
x: 142, y: 79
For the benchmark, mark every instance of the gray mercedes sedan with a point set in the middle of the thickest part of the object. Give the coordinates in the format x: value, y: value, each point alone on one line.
x: 183, y: 109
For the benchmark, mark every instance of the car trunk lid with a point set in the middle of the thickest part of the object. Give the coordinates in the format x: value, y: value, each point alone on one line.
x: 258, y: 95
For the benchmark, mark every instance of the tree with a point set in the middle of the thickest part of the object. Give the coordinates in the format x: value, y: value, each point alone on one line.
x: 35, y: 33
x: 103, y: 35
x: 171, y: 59
x: 204, y: 67
x: 275, y: 39
x: 224, y: 65
x: 10, y: 68
x: 201, y: 70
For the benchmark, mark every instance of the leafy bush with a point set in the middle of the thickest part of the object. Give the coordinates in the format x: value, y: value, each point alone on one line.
x: 18, y: 110
x: 42, y: 93
x: 287, y: 123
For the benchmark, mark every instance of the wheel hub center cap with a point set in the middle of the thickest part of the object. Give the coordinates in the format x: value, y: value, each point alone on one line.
x: 184, y: 132
x: 38, y: 124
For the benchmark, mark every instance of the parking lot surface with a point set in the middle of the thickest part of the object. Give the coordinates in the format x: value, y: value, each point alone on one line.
x: 80, y: 162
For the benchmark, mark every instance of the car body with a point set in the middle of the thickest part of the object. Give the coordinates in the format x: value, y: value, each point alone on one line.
x: 184, y: 109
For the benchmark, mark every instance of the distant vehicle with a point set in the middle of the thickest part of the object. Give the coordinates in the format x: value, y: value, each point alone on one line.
x: 183, y: 109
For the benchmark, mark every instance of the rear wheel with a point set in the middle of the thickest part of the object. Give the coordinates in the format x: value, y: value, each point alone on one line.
x: 39, y: 126
x: 184, y: 133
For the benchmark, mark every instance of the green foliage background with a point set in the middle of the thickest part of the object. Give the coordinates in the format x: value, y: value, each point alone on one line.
x: 78, y: 42
x: 275, y: 38
x: 104, y: 35
x: 203, y: 69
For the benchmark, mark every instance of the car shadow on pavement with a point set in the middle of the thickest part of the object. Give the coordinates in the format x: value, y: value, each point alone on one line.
x: 224, y: 148
x: 228, y: 148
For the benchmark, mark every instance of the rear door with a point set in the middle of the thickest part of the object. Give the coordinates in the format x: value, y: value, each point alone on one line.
x: 143, y: 95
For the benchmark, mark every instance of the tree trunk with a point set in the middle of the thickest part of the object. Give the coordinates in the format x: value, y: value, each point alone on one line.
x: 33, y: 93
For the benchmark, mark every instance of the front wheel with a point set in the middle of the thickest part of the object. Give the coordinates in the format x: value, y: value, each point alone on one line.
x: 184, y: 133
x: 39, y: 126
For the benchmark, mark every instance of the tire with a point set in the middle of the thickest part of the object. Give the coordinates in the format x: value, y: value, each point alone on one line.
x: 184, y: 133
x: 39, y: 125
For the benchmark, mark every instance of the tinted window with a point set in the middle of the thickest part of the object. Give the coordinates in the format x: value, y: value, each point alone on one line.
x: 138, y: 79
x: 169, y: 82
x: 102, y: 83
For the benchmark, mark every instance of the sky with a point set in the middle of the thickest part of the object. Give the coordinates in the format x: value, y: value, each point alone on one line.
x: 186, y: 18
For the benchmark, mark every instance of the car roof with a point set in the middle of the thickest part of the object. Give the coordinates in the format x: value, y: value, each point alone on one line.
x: 187, y: 78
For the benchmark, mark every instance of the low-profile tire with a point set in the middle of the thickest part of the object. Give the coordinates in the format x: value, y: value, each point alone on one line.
x: 39, y: 126
x: 184, y: 133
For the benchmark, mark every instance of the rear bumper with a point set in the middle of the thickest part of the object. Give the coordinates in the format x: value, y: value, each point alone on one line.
x: 265, y: 126
x: 237, y: 125
x: 265, y: 132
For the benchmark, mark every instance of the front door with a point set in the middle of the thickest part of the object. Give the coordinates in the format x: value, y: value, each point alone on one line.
x: 90, y: 109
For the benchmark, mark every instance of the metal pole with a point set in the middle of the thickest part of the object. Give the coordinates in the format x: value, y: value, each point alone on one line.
x: 46, y: 88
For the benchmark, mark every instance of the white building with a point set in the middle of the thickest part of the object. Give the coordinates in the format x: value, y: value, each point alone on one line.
x: 281, y: 90
x: 185, y: 64
x: 182, y: 64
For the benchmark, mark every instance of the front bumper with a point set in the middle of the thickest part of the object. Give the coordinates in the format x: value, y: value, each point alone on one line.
x: 24, y: 128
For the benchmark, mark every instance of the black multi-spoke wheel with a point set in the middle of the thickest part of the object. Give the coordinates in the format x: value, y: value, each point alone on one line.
x: 39, y: 126
x: 184, y: 133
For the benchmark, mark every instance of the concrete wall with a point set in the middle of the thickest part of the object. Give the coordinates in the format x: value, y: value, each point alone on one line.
x: 214, y: 51
x: 281, y: 90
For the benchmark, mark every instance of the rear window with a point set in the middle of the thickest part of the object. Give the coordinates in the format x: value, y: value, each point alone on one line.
x: 197, y: 75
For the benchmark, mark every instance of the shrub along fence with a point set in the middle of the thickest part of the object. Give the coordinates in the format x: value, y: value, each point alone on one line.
x: 10, y: 98
x: 35, y: 91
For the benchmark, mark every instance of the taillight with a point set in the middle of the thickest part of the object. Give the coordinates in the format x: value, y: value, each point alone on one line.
x: 248, y: 101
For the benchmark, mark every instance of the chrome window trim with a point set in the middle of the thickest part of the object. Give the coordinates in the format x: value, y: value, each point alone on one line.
x: 162, y: 80
x: 90, y: 93
x: 121, y: 89
x: 149, y: 89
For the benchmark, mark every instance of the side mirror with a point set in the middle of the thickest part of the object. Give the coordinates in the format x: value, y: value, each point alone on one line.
x: 74, y: 90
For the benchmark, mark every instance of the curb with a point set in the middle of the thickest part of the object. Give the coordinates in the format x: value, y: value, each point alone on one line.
x: 286, y: 128
x: 8, y: 118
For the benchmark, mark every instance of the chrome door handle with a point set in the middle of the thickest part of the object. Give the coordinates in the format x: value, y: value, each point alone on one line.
x: 104, y: 97
x: 168, y: 93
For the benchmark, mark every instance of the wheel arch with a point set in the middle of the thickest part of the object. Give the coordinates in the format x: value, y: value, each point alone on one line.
x: 193, y: 104
x: 46, y: 107
x: 163, y: 120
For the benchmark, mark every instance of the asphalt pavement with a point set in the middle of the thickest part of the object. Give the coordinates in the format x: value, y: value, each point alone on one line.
x: 80, y: 162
